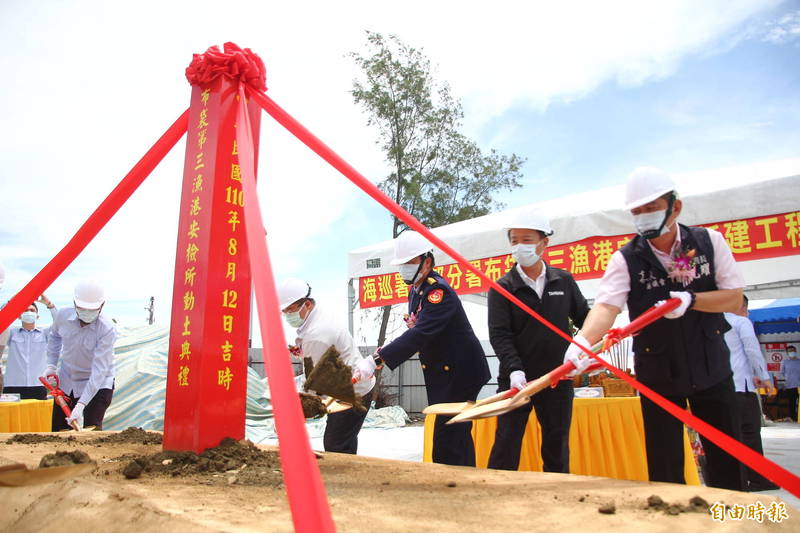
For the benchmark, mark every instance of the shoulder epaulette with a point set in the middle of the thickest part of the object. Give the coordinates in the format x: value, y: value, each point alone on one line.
x: 431, y: 281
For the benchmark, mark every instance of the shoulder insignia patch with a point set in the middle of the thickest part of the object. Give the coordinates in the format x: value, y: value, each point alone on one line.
x: 431, y: 281
x: 435, y: 296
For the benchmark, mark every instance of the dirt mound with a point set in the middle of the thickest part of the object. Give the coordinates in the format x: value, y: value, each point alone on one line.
x: 696, y: 505
x: 130, y: 436
x: 312, y: 406
x: 75, y: 457
x: 231, y: 462
x: 36, y: 438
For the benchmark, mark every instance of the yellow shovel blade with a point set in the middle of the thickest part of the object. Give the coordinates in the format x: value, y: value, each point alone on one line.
x: 489, y: 410
x: 18, y: 475
x: 447, y: 408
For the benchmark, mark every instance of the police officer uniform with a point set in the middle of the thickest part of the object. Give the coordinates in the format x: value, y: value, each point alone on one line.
x: 523, y: 343
x: 453, y: 362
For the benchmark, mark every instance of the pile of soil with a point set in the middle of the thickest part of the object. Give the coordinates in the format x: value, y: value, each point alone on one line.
x: 37, y: 438
x: 239, y: 462
x: 696, y: 505
x: 75, y: 457
x: 130, y: 436
x: 312, y: 406
x: 331, y: 377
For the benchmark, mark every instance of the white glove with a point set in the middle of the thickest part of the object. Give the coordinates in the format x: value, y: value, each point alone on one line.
x: 50, y: 376
x: 686, y: 300
x: 76, y: 415
x: 518, y: 380
x: 577, y: 356
x: 364, y: 369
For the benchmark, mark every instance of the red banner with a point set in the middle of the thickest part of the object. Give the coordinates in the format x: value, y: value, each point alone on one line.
x: 752, y: 238
x: 207, y: 370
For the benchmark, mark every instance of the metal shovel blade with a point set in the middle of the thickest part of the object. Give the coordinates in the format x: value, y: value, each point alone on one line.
x: 18, y: 475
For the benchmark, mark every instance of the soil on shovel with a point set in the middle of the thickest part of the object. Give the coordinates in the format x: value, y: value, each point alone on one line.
x: 308, y: 366
x: 130, y: 436
x: 331, y: 377
x: 75, y: 457
x: 312, y: 406
x: 239, y: 462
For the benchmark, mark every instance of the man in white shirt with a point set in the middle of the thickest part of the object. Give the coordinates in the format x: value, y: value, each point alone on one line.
x: 27, y: 354
x: 82, y: 340
x: 749, y: 373
x: 316, y: 332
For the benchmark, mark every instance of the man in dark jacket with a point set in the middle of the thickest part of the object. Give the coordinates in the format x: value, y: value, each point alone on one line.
x: 527, y: 349
x: 453, y: 362
x: 684, y: 358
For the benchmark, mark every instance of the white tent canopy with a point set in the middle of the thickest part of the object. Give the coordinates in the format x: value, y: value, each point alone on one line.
x: 709, y: 196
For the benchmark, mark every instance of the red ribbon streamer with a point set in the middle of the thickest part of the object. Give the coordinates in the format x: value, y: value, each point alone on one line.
x: 94, y: 223
x: 304, y: 487
x: 754, y: 460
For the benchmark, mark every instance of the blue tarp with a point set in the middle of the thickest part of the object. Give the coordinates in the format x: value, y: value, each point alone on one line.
x: 781, y: 316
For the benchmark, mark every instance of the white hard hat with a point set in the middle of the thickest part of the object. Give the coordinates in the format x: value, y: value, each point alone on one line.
x: 89, y: 295
x: 646, y: 184
x: 291, y: 290
x: 530, y: 219
x: 409, y: 245
x: 2, y: 275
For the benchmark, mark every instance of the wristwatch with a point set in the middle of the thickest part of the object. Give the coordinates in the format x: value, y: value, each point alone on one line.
x: 378, y: 359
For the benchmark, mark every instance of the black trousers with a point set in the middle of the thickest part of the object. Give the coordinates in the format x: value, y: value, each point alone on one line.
x: 27, y: 393
x: 93, y: 413
x: 663, y: 433
x: 750, y: 423
x: 341, y: 429
x: 453, y: 445
x: 791, y: 396
x: 554, y: 411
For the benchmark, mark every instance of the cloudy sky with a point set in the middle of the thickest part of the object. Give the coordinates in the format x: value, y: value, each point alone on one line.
x: 586, y: 91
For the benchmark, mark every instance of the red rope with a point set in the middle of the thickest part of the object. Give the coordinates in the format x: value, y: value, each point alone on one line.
x: 304, y: 487
x: 754, y: 460
x: 94, y: 223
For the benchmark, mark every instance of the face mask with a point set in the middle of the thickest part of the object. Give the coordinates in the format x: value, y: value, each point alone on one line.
x: 294, y: 319
x: 87, y: 315
x: 525, y: 254
x: 651, y: 225
x: 28, y: 317
x: 409, y: 273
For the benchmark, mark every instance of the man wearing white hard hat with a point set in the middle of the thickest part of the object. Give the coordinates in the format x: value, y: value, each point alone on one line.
x: 685, y: 357
x: 27, y: 353
x: 80, y: 357
x: 527, y: 349
x: 453, y: 363
x: 317, y: 331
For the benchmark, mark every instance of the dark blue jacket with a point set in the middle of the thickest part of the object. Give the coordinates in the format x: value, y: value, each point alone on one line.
x: 453, y: 361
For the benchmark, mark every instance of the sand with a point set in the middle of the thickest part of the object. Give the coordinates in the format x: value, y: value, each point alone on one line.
x: 365, y: 494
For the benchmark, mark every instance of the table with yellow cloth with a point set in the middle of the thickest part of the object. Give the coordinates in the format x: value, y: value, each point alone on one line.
x: 26, y: 416
x: 606, y: 439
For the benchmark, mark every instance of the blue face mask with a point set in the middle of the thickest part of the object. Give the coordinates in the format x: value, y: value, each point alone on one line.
x: 29, y: 317
x: 525, y: 254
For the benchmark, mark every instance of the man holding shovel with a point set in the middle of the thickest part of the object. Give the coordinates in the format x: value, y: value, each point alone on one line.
x: 316, y: 333
x: 453, y: 363
x: 82, y: 339
x: 527, y: 349
x: 684, y: 358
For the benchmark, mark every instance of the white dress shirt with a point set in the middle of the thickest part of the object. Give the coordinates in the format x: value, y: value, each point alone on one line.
x: 27, y: 354
x: 319, y: 332
x: 616, y: 282
x: 536, y: 284
x: 86, y: 353
x: 747, y: 361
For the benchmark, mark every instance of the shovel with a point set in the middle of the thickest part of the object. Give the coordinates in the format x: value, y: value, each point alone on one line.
x: 18, y: 475
x: 61, y: 400
x: 457, y: 407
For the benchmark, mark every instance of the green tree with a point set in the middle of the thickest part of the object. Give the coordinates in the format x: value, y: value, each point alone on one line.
x: 437, y: 174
